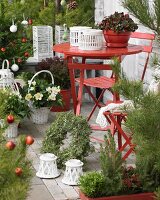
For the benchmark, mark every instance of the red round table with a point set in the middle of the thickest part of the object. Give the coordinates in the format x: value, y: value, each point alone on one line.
x: 106, y: 53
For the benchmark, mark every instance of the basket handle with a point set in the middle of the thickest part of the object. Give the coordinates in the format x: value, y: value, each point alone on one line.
x: 14, y: 83
x: 46, y: 71
x: 5, y: 61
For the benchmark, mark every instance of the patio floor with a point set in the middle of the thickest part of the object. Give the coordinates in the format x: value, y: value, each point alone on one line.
x: 54, y: 189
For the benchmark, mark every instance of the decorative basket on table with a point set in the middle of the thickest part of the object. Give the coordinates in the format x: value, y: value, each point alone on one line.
x: 91, y: 39
x: 6, y: 76
x: 75, y: 33
x: 39, y: 115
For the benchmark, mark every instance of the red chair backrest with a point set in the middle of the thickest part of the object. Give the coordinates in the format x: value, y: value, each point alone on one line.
x: 147, y: 48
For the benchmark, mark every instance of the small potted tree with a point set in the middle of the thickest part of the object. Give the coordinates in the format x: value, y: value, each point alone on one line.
x: 58, y: 67
x: 117, y: 29
x: 115, y: 181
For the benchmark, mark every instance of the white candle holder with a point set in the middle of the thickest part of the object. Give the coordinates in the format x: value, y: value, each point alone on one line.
x: 48, y: 166
x: 73, y: 172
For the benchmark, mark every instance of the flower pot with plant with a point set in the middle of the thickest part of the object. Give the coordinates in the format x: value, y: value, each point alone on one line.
x: 12, y: 110
x: 41, y: 95
x: 115, y: 181
x: 58, y: 67
x: 117, y: 29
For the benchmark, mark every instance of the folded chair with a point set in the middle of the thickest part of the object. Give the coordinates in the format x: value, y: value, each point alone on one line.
x: 116, y: 118
x: 106, y: 83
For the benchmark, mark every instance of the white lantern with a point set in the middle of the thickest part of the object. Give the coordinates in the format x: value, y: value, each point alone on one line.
x: 73, y: 172
x: 48, y: 166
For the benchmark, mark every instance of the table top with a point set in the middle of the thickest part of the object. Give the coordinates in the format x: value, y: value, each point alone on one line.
x: 69, y: 50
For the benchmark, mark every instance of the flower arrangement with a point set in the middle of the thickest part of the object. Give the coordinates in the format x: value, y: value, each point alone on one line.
x: 42, y: 94
x: 118, y: 22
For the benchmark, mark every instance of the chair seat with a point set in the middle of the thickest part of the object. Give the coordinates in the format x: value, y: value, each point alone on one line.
x: 102, y: 82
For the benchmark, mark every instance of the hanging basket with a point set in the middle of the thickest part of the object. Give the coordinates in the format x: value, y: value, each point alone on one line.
x: 40, y: 115
x: 6, y: 76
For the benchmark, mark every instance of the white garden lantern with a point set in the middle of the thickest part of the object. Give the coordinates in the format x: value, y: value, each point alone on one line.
x: 6, y: 76
x: 42, y: 42
x: 48, y: 166
x: 73, y: 172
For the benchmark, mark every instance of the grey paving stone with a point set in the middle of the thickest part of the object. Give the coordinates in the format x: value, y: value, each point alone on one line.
x: 39, y: 192
x: 70, y: 193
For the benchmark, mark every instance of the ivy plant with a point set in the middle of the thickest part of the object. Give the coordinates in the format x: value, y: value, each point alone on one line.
x: 79, y: 131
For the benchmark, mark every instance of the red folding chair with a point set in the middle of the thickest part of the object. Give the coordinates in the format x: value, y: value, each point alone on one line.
x: 106, y: 83
x: 117, y: 118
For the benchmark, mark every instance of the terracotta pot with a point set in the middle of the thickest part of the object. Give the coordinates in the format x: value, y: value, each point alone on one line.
x: 116, y: 39
x: 140, y: 196
x: 66, y: 98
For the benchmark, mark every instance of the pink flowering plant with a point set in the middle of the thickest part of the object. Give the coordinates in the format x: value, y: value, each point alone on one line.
x: 118, y: 22
x: 42, y: 94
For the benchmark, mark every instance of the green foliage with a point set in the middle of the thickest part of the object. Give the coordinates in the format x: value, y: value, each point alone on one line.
x: 84, y: 14
x: 58, y: 67
x: 144, y: 123
x: 147, y: 15
x: 11, y: 45
x: 111, y: 165
x: 118, y: 22
x: 13, y: 187
x: 93, y: 184
x: 78, y: 129
x: 13, y: 103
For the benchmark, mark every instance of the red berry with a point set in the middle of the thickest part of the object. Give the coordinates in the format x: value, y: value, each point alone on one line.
x: 10, y: 145
x: 19, y: 60
x: 30, y: 21
x: 3, y: 49
x: 10, y: 119
x: 24, y: 40
x: 26, y: 54
x: 29, y: 140
x: 18, y: 171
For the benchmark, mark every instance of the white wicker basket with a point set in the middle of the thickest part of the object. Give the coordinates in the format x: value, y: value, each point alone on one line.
x: 40, y: 115
x: 42, y: 42
x: 6, y: 76
x: 75, y: 33
x: 91, y: 39
x: 12, y: 130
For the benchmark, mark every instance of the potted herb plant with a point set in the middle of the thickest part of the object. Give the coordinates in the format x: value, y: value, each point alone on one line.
x: 117, y: 29
x: 58, y: 67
